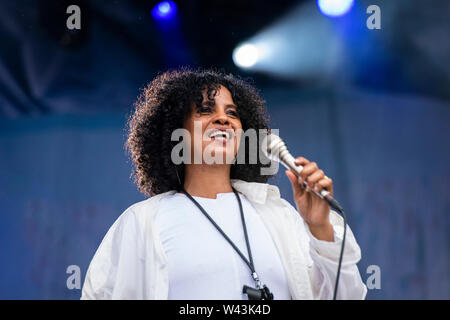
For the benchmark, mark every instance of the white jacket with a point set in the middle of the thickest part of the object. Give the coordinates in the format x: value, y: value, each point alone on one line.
x: 130, y: 263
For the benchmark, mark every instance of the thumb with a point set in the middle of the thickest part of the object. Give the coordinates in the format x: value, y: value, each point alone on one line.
x: 296, y: 187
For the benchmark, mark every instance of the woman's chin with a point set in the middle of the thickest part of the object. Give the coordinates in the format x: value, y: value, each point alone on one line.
x: 219, y: 155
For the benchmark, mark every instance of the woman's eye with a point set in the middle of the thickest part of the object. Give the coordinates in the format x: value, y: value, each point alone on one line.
x: 233, y: 113
x: 205, y: 109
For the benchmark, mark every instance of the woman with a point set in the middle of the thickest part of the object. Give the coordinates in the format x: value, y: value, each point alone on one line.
x: 216, y: 230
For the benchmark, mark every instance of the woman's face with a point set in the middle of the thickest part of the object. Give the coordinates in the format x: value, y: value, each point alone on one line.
x: 215, y: 129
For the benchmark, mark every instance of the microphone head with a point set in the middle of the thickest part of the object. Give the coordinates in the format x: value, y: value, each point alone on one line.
x: 273, y: 146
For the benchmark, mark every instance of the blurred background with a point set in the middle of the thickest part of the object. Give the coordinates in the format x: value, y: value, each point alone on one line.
x: 361, y: 90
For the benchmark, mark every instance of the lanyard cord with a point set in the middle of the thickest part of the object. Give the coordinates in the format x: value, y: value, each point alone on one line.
x: 249, y: 263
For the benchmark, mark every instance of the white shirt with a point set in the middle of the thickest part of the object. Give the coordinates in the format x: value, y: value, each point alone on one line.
x: 131, y: 263
x: 202, y: 264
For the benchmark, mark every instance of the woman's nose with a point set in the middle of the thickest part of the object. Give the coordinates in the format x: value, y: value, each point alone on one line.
x: 221, y: 118
x: 221, y: 121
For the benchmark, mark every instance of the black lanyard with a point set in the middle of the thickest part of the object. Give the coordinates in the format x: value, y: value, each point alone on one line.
x: 262, y: 292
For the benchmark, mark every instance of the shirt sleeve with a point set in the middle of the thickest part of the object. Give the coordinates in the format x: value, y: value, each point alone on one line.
x: 325, y: 257
x: 117, y: 264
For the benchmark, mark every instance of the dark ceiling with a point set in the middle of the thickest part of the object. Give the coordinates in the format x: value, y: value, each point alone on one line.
x: 120, y: 48
x: 208, y: 30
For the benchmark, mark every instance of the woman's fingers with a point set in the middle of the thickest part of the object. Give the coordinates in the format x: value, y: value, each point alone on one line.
x: 324, y: 183
x: 301, y: 161
x: 294, y: 181
x: 308, y: 169
x: 315, y: 177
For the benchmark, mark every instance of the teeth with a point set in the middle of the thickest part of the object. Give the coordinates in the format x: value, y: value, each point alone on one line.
x: 216, y: 133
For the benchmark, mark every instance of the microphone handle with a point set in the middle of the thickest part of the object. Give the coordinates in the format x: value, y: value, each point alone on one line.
x: 289, y: 162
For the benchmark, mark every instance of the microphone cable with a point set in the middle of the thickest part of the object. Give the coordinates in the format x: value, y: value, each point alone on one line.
x: 341, y: 211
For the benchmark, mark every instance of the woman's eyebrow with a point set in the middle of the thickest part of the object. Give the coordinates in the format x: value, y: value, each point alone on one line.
x: 211, y: 103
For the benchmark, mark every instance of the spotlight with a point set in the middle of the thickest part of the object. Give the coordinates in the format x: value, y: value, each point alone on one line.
x: 246, y: 55
x: 334, y: 8
x: 164, y: 10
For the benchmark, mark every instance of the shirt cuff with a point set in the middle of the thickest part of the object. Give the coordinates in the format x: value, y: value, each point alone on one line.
x: 329, y: 249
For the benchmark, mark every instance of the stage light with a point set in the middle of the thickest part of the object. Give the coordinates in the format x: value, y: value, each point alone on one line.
x: 300, y: 45
x: 334, y: 8
x: 246, y: 55
x: 164, y: 10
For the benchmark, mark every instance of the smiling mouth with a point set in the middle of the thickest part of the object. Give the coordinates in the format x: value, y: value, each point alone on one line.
x: 220, y: 135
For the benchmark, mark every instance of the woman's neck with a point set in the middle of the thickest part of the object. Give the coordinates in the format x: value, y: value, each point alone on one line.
x: 207, y: 180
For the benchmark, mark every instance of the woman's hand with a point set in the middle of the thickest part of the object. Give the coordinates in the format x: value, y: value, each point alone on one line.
x: 313, y: 209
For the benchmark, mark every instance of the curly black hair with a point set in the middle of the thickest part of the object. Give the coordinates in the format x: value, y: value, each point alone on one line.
x: 163, y: 106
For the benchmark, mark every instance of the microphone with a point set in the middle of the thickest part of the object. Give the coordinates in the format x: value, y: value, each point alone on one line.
x: 276, y: 150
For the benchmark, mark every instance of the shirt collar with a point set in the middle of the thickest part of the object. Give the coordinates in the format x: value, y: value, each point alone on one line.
x: 256, y: 191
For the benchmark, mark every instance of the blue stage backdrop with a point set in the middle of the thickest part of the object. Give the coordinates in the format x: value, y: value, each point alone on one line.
x: 65, y: 96
x: 65, y: 179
